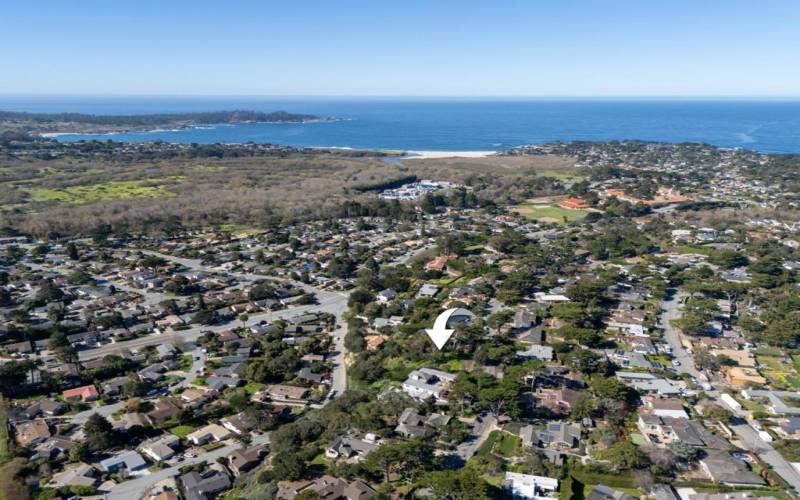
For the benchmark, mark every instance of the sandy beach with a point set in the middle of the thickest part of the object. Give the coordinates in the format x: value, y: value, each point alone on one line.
x: 422, y: 155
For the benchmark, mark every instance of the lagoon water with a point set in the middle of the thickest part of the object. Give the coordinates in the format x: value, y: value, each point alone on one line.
x: 457, y: 124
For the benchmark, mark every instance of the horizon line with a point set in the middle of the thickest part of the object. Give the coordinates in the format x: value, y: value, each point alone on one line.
x: 407, y: 97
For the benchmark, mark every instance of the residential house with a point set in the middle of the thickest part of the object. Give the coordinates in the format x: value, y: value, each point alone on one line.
x: 663, y: 407
x: 438, y: 264
x: 428, y: 383
x: 603, y: 492
x: 161, y: 448
x: 527, y: 486
x: 282, y: 392
x: 203, y: 485
x: 649, y: 383
x: 350, y: 447
x: 411, y: 424
x: 210, y: 432
x: 244, y: 459
x: 196, y: 397
x: 54, y: 448
x: 127, y: 460
x: 559, y: 401
x: 238, y: 424
x: 724, y: 468
x: 788, y: 428
x: 667, y: 430
x: 31, y: 433
x: 164, y: 410
x: 428, y: 290
x: 84, y: 394
x: 386, y: 296
x: 113, y: 387
x: 556, y: 435
x: 329, y: 487
x: 77, y: 475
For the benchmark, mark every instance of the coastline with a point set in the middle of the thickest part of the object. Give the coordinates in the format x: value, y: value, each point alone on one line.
x: 179, y: 127
x: 427, y: 155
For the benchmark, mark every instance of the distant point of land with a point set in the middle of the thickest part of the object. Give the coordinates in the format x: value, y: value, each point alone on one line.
x: 61, y: 123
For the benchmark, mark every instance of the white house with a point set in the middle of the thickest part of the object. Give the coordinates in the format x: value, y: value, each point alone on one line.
x: 529, y: 486
x: 427, y: 382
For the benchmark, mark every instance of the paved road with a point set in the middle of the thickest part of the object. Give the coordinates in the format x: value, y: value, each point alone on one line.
x: 671, y: 309
x: 482, y: 429
x: 747, y: 435
x: 331, y: 302
x: 408, y: 256
x: 328, y: 301
x: 135, y: 488
x: 334, y: 303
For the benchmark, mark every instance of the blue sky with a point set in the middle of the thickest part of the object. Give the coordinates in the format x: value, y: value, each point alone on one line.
x: 402, y: 48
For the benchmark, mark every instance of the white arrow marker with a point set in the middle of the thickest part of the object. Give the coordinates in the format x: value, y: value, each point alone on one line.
x: 440, y: 334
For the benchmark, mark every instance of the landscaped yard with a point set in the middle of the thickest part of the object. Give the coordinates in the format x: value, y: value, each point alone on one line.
x: 253, y: 387
x: 183, y: 430
x: 781, y: 375
x: 501, y: 443
x: 509, y: 445
x: 549, y: 213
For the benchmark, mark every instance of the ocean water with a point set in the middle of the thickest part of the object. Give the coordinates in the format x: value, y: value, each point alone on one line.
x: 457, y: 124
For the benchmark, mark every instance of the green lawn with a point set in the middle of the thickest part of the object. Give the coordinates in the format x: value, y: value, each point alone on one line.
x: 488, y: 445
x: 767, y: 351
x: 770, y: 362
x: 509, y: 445
x: 501, y: 443
x: 253, y: 387
x: 183, y: 430
x: 557, y: 214
x: 114, y: 190
x: 319, y: 460
x: 623, y: 482
x: 213, y: 446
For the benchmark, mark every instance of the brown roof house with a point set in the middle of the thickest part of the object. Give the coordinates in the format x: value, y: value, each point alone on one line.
x: 245, y: 459
x: 31, y: 432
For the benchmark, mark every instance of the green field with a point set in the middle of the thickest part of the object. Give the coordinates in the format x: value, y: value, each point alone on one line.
x: 549, y: 212
x: 114, y: 190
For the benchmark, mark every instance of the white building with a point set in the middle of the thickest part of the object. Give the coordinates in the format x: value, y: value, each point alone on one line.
x: 427, y: 382
x: 529, y: 486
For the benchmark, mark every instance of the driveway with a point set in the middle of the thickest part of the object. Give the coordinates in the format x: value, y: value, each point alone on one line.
x: 481, y: 433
